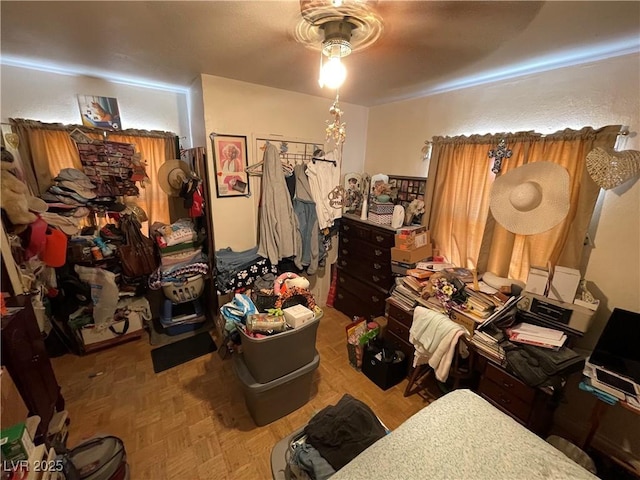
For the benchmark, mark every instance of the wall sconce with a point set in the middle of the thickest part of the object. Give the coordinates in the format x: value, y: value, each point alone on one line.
x: 426, y: 151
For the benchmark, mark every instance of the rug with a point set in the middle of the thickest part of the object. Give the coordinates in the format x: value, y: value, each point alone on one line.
x: 169, y: 356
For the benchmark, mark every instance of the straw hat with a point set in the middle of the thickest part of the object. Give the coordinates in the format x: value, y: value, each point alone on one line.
x: 609, y: 168
x: 532, y: 198
x: 171, y: 175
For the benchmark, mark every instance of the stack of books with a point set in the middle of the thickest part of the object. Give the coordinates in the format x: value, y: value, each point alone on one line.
x: 408, y: 293
x: 537, y: 336
x: 481, y: 305
x: 488, y: 342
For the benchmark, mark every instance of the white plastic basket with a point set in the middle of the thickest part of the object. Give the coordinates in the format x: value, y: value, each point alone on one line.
x: 186, y: 291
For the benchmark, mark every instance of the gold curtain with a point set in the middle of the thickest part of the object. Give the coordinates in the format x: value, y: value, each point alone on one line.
x: 461, y: 223
x: 45, y: 149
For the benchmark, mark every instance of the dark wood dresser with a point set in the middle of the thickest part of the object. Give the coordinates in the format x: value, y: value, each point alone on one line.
x: 25, y: 357
x: 398, y: 324
x: 364, y: 267
x: 532, y: 407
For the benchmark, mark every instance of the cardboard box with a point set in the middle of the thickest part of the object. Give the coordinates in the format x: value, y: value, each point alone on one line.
x: 537, y: 281
x: 297, y: 315
x: 16, y: 443
x: 564, y: 284
x: 412, y: 240
x: 410, y: 256
x: 461, y: 318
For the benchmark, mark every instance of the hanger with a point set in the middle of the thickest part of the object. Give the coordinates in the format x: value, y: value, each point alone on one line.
x: 318, y: 156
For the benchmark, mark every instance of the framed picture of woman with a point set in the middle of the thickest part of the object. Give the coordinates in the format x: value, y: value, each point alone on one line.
x: 230, y: 161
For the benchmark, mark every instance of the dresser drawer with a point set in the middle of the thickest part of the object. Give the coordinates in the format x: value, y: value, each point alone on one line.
x: 401, y: 330
x: 375, y: 273
x: 382, y: 238
x: 365, y: 293
x: 352, y: 229
x: 400, y: 315
x: 504, y: 399
x: 356, y: 248
x: 353, y: 306
x: 509, y: 383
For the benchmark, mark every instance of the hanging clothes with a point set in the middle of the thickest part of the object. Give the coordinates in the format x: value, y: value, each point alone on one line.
x: 279, y: 234
x: 305, y: 209
x: 323, y: 178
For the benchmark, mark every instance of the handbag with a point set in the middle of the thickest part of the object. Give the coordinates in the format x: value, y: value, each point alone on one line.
x: 137, y: 254
x: 100, y: 458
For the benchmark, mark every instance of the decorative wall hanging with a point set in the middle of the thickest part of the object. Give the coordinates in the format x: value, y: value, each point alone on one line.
x: 337, y: 197
x: 100, y: 112
x: 229, y: 162
x: 500, y: 153
x: 610, y: 169
x: 353, y: 186
x: 12, y: 139
x: 336, y: 130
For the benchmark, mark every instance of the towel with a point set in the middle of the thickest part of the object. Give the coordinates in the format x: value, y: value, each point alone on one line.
x: 434, y: 337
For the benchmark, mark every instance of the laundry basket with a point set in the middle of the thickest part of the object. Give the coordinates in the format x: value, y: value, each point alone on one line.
x: 187, y: 291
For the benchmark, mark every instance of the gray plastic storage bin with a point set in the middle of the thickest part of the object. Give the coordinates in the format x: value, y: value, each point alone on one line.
x: 277, y: 355
x: 270, y: 401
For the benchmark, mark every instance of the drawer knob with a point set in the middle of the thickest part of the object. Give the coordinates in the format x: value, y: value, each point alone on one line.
x: 340, y: 296
x: 507, y: 384
x: 377, y: 266
x: 379, y: 238
x: 375, y: 299
x: 346, y: 227
x: 377, y: 252
x: 345, y: 251
x: 343, y: 263
x: 375, y: 278
x: 505, y: 401
x: 345, y: 240
x: 342, y: 280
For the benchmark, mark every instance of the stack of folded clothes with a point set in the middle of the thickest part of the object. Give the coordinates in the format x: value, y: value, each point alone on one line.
x: 183, y: 266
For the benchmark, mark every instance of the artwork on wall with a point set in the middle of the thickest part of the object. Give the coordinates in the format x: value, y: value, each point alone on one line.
x: 99, y: 112
x: 230, y: 161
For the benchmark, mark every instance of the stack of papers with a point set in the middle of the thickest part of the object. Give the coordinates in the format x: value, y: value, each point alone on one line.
x: 538, y: 336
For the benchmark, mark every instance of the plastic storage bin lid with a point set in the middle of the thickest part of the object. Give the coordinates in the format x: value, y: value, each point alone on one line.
x: 242, y: 372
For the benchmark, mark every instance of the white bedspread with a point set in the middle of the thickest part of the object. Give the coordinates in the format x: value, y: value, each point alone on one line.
x: 461, y: 436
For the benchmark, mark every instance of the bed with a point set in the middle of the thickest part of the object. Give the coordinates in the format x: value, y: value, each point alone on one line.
x: 458, y: 436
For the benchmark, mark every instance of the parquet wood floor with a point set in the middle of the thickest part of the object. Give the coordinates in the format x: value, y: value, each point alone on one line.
x: 191, y: 421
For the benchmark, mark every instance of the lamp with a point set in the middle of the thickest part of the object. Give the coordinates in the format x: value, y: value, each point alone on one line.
x: 336, y: 44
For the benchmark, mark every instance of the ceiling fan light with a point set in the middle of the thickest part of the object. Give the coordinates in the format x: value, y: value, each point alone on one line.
x: 333, y: 73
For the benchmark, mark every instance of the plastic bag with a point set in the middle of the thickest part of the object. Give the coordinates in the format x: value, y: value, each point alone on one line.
x: 104, y: 292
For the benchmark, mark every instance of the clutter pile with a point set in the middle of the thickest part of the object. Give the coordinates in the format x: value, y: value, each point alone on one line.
x: 181, y: 276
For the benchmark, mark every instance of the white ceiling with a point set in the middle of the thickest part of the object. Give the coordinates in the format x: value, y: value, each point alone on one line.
x: 426, y: 46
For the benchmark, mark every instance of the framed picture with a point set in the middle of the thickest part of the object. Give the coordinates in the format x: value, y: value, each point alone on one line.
x: 229, y: 162
x: 100, y: 112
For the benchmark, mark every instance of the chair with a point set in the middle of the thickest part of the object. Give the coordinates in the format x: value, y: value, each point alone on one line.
x: 460, y: 370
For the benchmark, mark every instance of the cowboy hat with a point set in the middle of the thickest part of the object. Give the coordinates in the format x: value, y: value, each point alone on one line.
x: 171, y: 175
x: 609, y: 168
x: 532, y: 198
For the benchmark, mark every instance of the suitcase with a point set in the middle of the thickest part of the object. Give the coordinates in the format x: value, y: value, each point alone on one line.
x: 100, y: 458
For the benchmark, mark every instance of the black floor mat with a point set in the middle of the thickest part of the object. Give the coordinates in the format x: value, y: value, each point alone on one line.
x: 174, y: 354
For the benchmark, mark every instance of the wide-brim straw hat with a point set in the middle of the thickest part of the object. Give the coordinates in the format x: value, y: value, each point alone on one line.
x: 532, y: 198
x: 172, y: 175
x: 610, y: 169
